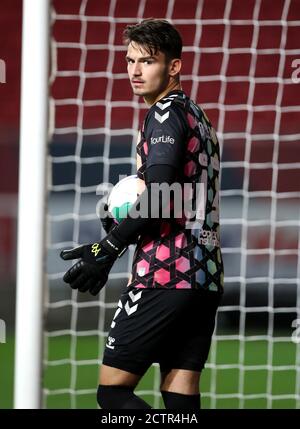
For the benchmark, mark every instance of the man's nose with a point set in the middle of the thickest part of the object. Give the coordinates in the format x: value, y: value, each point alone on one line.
x: 137, y: 71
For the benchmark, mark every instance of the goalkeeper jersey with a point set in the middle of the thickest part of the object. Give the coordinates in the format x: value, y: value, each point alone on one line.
x: 181, y: 252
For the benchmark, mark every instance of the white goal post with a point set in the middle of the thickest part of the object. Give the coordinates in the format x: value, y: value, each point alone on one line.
x: 31, y: 210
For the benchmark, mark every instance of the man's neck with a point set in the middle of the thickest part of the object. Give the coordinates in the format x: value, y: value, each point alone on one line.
x: 174, y: 86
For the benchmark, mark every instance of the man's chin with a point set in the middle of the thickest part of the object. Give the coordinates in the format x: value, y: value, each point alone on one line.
x: 139, y: 92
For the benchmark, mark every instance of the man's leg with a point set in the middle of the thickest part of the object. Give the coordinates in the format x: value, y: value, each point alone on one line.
x: 116, y: 389
x: 180, y: 389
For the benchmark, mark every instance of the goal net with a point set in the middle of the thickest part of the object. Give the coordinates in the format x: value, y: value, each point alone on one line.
x: 238, y: 64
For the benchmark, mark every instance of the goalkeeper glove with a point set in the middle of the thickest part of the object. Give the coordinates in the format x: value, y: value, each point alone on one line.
x: 96, y: 260
x: 107, y: 221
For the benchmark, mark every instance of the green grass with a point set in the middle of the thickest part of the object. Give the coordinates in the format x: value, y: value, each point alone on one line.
x: 6, y: 372
x: 66, y: 378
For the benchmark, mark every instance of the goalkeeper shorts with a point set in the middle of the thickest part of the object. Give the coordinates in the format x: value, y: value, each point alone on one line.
x: 171, y: 327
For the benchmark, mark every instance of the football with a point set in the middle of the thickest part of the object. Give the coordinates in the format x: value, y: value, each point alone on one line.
x: 123, y: 195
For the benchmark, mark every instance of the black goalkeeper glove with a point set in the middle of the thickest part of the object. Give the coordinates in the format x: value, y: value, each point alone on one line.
x: 96, y: 260
x: 107, y: 221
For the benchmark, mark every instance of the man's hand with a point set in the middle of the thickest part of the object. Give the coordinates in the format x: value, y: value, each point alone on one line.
x: 96, y: 260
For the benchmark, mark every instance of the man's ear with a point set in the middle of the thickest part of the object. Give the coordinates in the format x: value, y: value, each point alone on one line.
x: 174, y: 67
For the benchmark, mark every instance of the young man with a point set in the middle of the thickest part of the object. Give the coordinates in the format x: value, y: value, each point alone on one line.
x: 167, y: 313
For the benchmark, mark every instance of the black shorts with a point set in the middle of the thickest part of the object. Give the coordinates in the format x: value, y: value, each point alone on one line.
x: 171, y: 327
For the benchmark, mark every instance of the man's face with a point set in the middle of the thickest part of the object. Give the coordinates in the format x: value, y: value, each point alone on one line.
x: 148, y: 74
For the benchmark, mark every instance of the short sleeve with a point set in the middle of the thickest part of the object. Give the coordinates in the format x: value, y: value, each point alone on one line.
x: 166, y: 134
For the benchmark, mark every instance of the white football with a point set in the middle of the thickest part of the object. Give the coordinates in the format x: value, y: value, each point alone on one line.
x: 123, y: 195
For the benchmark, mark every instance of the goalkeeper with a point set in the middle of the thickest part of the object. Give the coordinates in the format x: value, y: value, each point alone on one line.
x: 167, y: 314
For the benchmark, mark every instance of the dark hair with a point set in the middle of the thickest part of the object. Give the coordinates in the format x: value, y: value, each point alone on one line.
x: 155, y: 35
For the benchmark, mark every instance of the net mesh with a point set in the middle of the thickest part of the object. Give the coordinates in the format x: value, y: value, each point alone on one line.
x: 238, y: 65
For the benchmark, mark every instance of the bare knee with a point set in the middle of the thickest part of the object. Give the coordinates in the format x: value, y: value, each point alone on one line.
x: 181, y: 381
x: 110, y: 376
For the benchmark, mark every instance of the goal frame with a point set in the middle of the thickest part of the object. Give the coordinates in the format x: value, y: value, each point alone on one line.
x: 32, y: 200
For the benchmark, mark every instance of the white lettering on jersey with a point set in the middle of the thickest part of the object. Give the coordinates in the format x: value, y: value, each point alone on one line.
x: 208, y: 237
x: 162, y: 139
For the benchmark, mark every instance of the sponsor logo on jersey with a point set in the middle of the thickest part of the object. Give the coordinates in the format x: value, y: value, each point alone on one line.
x: 209, y: 238
x: 162, y: 139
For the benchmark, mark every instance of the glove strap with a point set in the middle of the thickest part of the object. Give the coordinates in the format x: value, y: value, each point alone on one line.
x: 114, y: 244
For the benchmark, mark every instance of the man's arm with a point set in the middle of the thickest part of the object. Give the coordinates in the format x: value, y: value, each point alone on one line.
x: 131, y: 227
x: 96, y: 260
x: 166, y: 143
x: 166, y: 140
